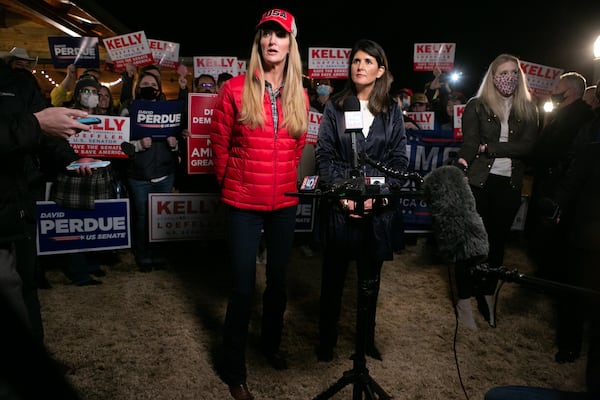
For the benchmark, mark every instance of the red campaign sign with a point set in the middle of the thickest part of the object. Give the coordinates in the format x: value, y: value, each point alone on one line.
x: 199, y: 155
x: 200, y: 109
x: 104, y: 139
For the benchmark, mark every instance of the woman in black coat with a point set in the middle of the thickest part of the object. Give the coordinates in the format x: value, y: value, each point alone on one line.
x: 355, y: 228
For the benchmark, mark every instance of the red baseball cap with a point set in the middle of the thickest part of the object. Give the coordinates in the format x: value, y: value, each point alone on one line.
x: 281, y: 18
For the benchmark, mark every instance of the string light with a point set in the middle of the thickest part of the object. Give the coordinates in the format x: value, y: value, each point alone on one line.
x: 54, y: 83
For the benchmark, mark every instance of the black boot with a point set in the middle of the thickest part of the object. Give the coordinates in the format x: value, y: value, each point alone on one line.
x: 370, y: 349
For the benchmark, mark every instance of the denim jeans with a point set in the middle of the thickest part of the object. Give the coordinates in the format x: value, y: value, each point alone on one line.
x: 138, y: 192
x: 244, y: 234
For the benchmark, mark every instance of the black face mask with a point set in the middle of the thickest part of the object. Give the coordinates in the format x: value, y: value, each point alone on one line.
x: 558, y: 98
x: 148, y: 93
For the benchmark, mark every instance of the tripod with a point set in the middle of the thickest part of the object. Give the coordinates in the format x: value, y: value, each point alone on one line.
x: 359, y: 374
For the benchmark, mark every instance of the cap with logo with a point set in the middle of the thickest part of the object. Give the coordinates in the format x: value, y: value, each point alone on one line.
x: 420, y: 98
x: 282, y: 18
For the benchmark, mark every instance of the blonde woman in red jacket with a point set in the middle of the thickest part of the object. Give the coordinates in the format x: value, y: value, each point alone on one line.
x: 258, y: 132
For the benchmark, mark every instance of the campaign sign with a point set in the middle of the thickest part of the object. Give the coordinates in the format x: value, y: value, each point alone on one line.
x: 131, y: 48
x: 201, y: 216
x: 541, y: 79
x: 200, y: 111
x: 199, y: 155
x: 81, y: 51
x: 314, y: 121
x: 165, y: 54
x: 156, y: 119
x: 427, y: 56
x: 186, y: 216
x: 427, y: 150
x: 328, y: 62
x: 71, y: 230
x: 305, y: 214
x: 214, y: 65
x: 104, y: 139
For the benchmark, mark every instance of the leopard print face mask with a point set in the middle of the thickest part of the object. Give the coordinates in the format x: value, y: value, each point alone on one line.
x: 506, y: 84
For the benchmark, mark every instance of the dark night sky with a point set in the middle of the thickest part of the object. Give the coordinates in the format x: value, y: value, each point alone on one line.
x: 560, y: 37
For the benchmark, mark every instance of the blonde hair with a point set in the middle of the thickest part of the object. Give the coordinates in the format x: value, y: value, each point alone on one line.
x: 523, y: 106
x: 295, y: 109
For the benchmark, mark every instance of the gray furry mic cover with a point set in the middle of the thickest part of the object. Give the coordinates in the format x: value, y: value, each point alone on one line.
x: 457, y: 226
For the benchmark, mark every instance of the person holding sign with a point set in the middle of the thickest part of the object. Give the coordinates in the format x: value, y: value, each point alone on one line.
x: 152, y: 165
x: 500, y: 126
x: 258, y: 131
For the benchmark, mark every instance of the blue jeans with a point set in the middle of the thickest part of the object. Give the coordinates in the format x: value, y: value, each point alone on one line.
x: 139, y: 191
x: 245, y: 227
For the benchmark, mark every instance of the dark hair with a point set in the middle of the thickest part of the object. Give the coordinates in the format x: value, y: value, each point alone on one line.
x: 197, y: 79
x: 380, y: 99
x: 139, y: 79
x: 223, y: 76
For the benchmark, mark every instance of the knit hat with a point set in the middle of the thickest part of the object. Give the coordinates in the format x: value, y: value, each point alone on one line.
x: 282, y: 18
x: 85, y: 81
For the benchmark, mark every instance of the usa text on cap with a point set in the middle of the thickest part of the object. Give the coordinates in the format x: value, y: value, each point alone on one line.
x: 280, y: 17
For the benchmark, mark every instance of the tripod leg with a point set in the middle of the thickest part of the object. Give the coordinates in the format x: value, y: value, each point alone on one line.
x: 344, y: 381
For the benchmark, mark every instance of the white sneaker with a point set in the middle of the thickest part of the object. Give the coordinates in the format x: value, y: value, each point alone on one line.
x: 464, y: 313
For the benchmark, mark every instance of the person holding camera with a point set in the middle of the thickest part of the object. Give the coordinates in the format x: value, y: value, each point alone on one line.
x: 359, y: 230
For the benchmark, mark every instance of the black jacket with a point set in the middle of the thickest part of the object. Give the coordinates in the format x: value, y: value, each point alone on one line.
x: 381, y: 232
x: 481, y: 126
x: 22, y: 149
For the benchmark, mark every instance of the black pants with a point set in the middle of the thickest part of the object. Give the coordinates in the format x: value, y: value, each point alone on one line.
x: 497, y: 203
x: 337, y: 256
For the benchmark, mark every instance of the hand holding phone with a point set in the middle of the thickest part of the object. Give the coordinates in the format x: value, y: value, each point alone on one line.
x: 89, y: 120
x: 93, y: 164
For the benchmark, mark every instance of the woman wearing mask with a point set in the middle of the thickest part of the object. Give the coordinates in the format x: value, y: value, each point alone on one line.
x: 85, y: 94
x: 151, y: 169
x: 258, y: 131
x: 366, y: 236
x: 500, y: 126
x: 80, y: 267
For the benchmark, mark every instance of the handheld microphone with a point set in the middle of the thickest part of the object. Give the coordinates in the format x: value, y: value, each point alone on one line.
x: 353, y: 123
x: 352, y: 115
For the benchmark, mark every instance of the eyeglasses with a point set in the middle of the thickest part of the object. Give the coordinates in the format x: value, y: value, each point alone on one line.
x: 207, y: 85
x: 88, y: 91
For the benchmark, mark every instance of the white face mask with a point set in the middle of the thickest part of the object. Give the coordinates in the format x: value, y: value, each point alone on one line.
x: 89, y: 100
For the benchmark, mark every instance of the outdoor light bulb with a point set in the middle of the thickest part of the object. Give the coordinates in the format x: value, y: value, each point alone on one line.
x: 455, y: 76
x: 597, y: 47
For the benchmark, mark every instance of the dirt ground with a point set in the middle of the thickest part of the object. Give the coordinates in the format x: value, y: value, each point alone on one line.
x: 156, y: 335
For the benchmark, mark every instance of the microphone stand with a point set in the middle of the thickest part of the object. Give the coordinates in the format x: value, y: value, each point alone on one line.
x: 514, y: 276
x: 358, y: 376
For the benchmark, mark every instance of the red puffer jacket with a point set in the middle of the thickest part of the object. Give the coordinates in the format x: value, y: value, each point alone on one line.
x: 254, y: 167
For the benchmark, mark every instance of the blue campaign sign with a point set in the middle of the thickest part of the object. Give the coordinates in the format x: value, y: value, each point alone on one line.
x: 81, y: 51
x: 70, y: 230
x: 156, y: 119
x: 305, y: 214
x: 427, y: 150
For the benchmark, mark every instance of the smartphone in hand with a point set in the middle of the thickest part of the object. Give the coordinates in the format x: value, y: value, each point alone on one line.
x: 89, y: 120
